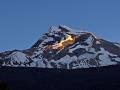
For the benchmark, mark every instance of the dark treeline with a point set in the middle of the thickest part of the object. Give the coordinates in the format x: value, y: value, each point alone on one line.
x: 103, y: 78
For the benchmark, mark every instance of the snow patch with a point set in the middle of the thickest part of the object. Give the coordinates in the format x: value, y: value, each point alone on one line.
x: 54, y: 29
x: 105, y: 59
x: 73, y: 49
x: 89, y: 40
x: 98, y: 42
x: 18, y: 56
x: 66, y: 27
x: 118, y: 45
x: 48, y: 39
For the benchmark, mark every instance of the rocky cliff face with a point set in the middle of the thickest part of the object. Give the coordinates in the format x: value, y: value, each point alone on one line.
x: 61, y: 47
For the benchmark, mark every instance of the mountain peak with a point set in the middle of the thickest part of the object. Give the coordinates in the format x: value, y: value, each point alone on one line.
x: 65, y: 28
x: 57, y: 36
x: 63, y: 47
x: 60, y: 28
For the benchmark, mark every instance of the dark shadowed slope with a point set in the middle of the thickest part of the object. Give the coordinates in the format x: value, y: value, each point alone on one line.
x: 104, y: 78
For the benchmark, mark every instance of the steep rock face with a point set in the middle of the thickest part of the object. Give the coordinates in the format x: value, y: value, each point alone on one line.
x: 63, y: 48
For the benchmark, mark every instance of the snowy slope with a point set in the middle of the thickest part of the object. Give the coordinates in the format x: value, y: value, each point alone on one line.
x: 62, y: 47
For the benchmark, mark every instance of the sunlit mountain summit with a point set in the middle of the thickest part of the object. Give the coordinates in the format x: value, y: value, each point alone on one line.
x: 65, y: 48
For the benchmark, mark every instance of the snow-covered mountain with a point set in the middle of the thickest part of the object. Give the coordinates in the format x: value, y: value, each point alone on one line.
x: 62, y: 47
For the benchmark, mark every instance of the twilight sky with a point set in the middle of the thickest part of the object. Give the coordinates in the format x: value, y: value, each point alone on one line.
x: 23, y: 21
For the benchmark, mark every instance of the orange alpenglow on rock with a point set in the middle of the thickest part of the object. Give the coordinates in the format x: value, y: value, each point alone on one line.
x: 64, y: 43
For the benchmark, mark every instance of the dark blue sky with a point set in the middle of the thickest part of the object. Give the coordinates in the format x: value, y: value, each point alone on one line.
x: 23, y: 21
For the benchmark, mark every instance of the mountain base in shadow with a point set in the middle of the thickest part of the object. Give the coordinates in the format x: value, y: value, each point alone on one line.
x: 102, y: 78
